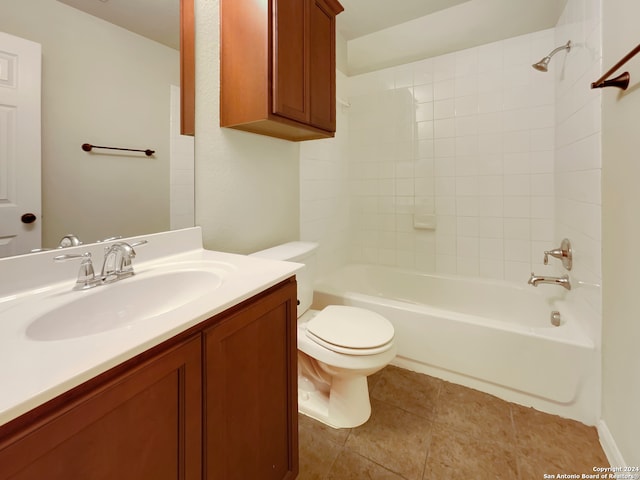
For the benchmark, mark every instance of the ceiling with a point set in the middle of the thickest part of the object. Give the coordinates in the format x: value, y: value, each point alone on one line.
x: 453, y: 24
x: 154, y: 19
x: 362, y: 17
x: 382, y: 33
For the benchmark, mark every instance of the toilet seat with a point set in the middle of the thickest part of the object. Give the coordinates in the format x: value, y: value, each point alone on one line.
x: 351, y: 330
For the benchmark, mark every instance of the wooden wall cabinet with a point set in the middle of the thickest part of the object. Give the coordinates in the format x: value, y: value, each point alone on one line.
x: 277, y: 67
x: 187, y: 69
x: 218, y: 401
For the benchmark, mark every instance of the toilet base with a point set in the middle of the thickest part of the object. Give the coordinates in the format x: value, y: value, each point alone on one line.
x: 345, y: 405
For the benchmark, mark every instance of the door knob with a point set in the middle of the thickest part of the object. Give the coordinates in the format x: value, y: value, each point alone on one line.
x: 28, y: 218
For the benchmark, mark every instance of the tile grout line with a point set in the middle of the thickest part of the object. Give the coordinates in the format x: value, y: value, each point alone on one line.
x: 436, y: 404
x: 516, y: 442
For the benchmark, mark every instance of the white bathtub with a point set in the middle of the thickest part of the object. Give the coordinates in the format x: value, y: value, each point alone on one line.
x: 490, y: 335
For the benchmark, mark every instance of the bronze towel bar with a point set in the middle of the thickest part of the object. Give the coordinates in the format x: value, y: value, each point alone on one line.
x: 621, y: 81
x: 87, y: 147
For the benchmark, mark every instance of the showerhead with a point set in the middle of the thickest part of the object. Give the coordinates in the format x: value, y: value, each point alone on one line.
x: 543, y: 65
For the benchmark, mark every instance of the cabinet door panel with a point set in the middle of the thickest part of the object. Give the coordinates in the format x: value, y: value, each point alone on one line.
x: 251, y: 392
x: 290, y: 64
x: 144, y: 424
x: 323, y: 72
x: 187, y: 69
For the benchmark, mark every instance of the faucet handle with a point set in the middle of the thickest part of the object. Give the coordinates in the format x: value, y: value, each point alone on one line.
x: 564, y: 253
x: 137, y: 244
x: 86, y: 275
x: 130, y: 253
x: 109, y: 239
x: 557, y: 253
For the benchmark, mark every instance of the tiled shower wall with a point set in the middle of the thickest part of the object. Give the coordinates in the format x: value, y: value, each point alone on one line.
x: 578, y: 159
x: 324, y: 189
x: 451, y: 162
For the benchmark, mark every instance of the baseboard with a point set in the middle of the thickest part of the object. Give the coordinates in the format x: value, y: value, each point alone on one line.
x: 609, y: 446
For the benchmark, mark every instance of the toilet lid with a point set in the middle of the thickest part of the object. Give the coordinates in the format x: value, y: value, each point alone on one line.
x: 350, y: 328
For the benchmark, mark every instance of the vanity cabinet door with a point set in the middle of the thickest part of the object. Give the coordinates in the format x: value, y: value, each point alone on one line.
x: 144, y: 423
x: 250, y: 373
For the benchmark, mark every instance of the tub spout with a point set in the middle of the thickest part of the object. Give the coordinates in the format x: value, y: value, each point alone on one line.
x: 562, y: 281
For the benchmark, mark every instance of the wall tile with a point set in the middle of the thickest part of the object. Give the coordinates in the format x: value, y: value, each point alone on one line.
x: 506, y: 157
x: 578, y: 157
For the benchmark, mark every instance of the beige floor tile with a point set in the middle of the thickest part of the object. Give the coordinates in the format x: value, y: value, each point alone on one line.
x: 474, y: 413
x: 472, y: 435
x: 551, y: 444
x: 317, y: 452
x: 454, y: 455
x: 351, y: 466
x: 394, y: 438
x: 335, y: 435
x: 411, y: 391
x: 372, y: 380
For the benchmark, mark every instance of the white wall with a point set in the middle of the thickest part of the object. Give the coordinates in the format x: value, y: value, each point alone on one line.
x: 181, y: 170
x: 247, y: 186
x: 621, y: 234
x: 107, y: 86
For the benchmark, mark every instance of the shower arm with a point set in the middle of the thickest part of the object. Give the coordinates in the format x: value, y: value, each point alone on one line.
x: 559, y: 49
x: 621, y: 81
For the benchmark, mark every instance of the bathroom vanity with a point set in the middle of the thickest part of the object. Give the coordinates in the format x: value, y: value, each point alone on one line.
x: 206, y: 390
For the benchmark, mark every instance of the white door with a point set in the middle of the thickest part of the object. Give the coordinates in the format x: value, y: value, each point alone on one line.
x: 20, y: 208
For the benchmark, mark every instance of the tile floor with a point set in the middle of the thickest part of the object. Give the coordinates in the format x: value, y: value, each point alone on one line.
x: 423, y: 428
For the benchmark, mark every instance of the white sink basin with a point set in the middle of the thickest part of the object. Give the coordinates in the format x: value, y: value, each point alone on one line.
x: 120, y: 304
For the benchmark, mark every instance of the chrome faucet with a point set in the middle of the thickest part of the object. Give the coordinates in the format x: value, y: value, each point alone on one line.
x: 117, y: 261
x: 116, y: 265
x: 69, y: 240
x: 563, y: 281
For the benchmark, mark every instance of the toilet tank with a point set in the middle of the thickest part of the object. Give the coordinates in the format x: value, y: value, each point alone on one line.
x: 299, y: 252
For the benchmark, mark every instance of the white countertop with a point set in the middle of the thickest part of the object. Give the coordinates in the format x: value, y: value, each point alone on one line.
x: 35, y: 371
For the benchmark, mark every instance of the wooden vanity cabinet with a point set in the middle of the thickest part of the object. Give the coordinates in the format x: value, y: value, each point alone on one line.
x: 277, y: 67
x: 251, y: 393
x: 138, y: 421
x: 218, y: 401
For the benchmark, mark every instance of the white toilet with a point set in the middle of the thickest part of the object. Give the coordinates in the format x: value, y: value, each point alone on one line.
x: 338, y: 347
